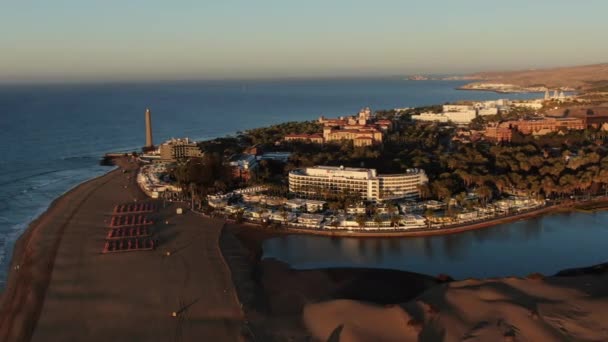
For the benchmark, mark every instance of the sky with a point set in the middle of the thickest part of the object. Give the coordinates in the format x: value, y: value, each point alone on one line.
x: 91, y: 40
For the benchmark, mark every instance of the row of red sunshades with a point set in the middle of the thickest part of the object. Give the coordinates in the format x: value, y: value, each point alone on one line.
x: 118, y: 233
x: 130, y: 220
x: 129, y: 244
x: 134, y: 208
x: 130, y: 232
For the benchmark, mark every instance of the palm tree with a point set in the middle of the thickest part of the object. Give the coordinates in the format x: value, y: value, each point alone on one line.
x: 429, y: 214
x: 378, y: 220
x: 361, y: 219
x: 484, y: 192
x: 424, y: 190
x: 284, y: 214
x: 240, y: 213
x: 395, y: 219
x: 193, y: 193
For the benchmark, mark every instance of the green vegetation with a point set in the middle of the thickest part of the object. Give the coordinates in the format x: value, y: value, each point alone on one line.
x: 199, y: 177
x: 270, y: 135
x: 553, y: 165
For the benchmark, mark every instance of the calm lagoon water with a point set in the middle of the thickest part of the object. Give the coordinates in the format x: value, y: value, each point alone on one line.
x: 546, y: 244
x: 53, y: 135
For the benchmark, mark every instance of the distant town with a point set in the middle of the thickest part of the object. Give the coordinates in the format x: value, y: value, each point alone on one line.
x: 402, y: 170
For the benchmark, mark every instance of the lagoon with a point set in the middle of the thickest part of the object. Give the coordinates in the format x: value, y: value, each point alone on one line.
x: 544, y: 244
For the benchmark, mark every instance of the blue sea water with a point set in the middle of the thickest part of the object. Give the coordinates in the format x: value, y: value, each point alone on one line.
x: 53, y: 135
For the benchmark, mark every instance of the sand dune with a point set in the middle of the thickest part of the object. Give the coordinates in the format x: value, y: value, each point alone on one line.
x: 361, y: 322
x: 508, y: 309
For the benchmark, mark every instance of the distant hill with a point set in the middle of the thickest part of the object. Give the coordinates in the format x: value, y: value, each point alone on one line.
x: 584, y: 77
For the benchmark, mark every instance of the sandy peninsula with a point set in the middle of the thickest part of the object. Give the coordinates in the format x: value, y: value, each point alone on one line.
x: 61, y: 288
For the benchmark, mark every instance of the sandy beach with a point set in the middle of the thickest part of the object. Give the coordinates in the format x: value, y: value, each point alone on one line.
x: 61, y: 288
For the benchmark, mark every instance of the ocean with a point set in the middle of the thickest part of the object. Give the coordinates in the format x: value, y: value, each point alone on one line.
x: 53, y: 135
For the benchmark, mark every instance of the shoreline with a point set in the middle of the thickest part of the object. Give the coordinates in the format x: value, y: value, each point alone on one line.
x: 25, y: 289
x: 64, y: 288
x: 43, y: 210
x: 498, y: 91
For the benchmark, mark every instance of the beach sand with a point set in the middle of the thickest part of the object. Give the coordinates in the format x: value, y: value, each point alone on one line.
x: 274, y: 294
x: 507, y: 309
x: 66, y: 290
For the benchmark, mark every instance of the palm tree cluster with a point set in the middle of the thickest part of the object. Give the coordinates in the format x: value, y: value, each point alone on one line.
x: 522, y: 169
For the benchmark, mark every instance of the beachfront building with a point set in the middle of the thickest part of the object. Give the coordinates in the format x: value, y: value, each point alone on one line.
x: 356, y: 209
x: 176, y: 149
x: 311, y: 220
x: 369, y: 185
x: 308, y: 205
x: 282, y: 216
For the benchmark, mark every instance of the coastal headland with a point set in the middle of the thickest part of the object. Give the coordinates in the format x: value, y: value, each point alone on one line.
x: 574, y: 78
x: 62, y: 288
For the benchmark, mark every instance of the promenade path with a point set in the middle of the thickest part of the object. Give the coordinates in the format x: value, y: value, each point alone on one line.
x: 131, y: 296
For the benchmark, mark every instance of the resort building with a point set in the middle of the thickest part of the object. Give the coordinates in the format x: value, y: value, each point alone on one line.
x: 308, y: 205
x: 243, y: 165
x: 282, y: 216
x: 369, y: 185
x: 356, y: 209
x: 176, y: 149
x: 531, y: 104
x: 487, y: 111
x: 362, y: 129
x: 312, y: 138
x: 458, y: 114
x: 364, y: 136
x: 498, y: 132
x: 311, y: 220
x: 504, y: 130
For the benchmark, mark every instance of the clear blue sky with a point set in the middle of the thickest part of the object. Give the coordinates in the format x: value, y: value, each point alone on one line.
x: 64, y: 40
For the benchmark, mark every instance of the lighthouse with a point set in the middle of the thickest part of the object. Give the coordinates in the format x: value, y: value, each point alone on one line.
x: 149, y: 143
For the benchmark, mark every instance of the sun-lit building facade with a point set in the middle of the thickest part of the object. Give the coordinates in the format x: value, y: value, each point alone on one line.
x: 318, y: 180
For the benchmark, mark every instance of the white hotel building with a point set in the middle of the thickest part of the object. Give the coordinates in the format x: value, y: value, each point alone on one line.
x: 369, y: 185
